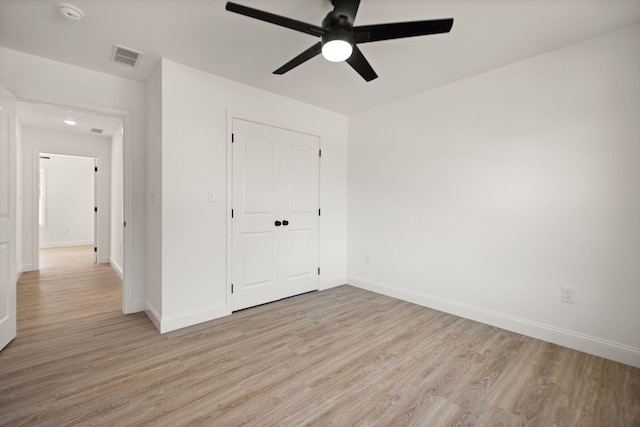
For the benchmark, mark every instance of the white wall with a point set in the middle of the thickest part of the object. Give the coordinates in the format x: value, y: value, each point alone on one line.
x: 117, y: 194
x: 69, y: 215
x: 35, y: 141
x: 194, y: 160
x: 482, y: 198
x: 154, y: 197
x: 35, y: 78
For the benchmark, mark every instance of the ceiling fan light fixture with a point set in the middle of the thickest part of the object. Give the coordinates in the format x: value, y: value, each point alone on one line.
x: 340, y: 38
x: 337, y: 50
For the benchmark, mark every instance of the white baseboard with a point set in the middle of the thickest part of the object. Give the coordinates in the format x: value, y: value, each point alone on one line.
x: 104, y: 260
x: 136, y: 307
x: 64, y: 244
x: 27, y: 267
x: 332, y: 283
x: 182, y: 320
x: 193, y: 317
x: 117, y: 269
x: 153, y: 315
x: 610, y: 350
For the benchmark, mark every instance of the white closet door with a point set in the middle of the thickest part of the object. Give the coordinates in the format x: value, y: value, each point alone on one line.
x: 275, y: 222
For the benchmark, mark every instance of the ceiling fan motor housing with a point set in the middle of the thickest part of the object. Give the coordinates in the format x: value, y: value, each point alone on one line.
x: 337, y: 34
x: 337, y: 28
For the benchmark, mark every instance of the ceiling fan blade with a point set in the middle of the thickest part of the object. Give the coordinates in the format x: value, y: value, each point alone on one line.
x: 359, y: 63
x: 303, y: 57
x: 374, y: 33
x: 348, y: 8
x: 275, y: 19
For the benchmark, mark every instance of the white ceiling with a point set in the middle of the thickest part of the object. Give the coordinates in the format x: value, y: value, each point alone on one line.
x: 47, y: 116
x: 200, y: 33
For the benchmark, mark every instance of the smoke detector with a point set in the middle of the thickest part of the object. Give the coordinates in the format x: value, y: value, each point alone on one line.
x: 70, y: 11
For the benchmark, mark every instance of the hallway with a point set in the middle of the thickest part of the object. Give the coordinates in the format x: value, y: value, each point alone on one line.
x: 68, y: 287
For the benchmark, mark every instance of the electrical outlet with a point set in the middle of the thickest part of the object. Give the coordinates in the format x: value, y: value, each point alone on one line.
x: 367, y: 258
x: 568, y: 295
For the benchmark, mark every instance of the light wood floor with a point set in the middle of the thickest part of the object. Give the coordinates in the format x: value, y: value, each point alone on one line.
x: 342, y: 357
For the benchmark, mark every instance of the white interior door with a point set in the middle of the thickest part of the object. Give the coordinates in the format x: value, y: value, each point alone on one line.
x: 7, y: 218
x: 275, y: 213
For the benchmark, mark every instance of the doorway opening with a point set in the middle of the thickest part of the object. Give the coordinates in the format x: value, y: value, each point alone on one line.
x: 92, y: 154
x: 67, y: 202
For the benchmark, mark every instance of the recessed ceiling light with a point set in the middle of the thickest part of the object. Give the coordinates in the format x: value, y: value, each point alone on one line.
x: 69, y: 118
x: 70, y: 11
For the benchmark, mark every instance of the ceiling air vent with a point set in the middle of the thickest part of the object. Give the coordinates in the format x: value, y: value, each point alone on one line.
x: 95, y: 130
x: 126, y: 56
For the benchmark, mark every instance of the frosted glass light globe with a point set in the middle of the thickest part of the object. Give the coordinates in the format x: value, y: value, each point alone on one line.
x: 337, y: 50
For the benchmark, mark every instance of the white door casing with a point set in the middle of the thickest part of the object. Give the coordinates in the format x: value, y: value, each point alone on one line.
x: 7, y: 218
x: 276, y: 208
x: 95, y: 210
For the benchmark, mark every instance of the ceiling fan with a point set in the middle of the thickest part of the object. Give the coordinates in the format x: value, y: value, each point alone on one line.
x: 339, y: 37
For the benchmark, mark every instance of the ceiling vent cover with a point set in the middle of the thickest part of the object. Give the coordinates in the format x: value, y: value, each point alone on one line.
x: 96, y: 130
x: 126, y: 56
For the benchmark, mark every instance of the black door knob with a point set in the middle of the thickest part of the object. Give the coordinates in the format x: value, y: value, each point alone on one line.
x: 278, y: 223
x: 285, y: 222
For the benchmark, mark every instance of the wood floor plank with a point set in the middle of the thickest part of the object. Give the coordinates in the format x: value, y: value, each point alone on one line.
x: 341, y: 357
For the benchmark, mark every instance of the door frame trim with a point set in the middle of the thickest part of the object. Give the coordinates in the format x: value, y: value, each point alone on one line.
x: 128, y: 303
x: 231, y: 115
x: 98, y: 196
x: 98, y: 191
